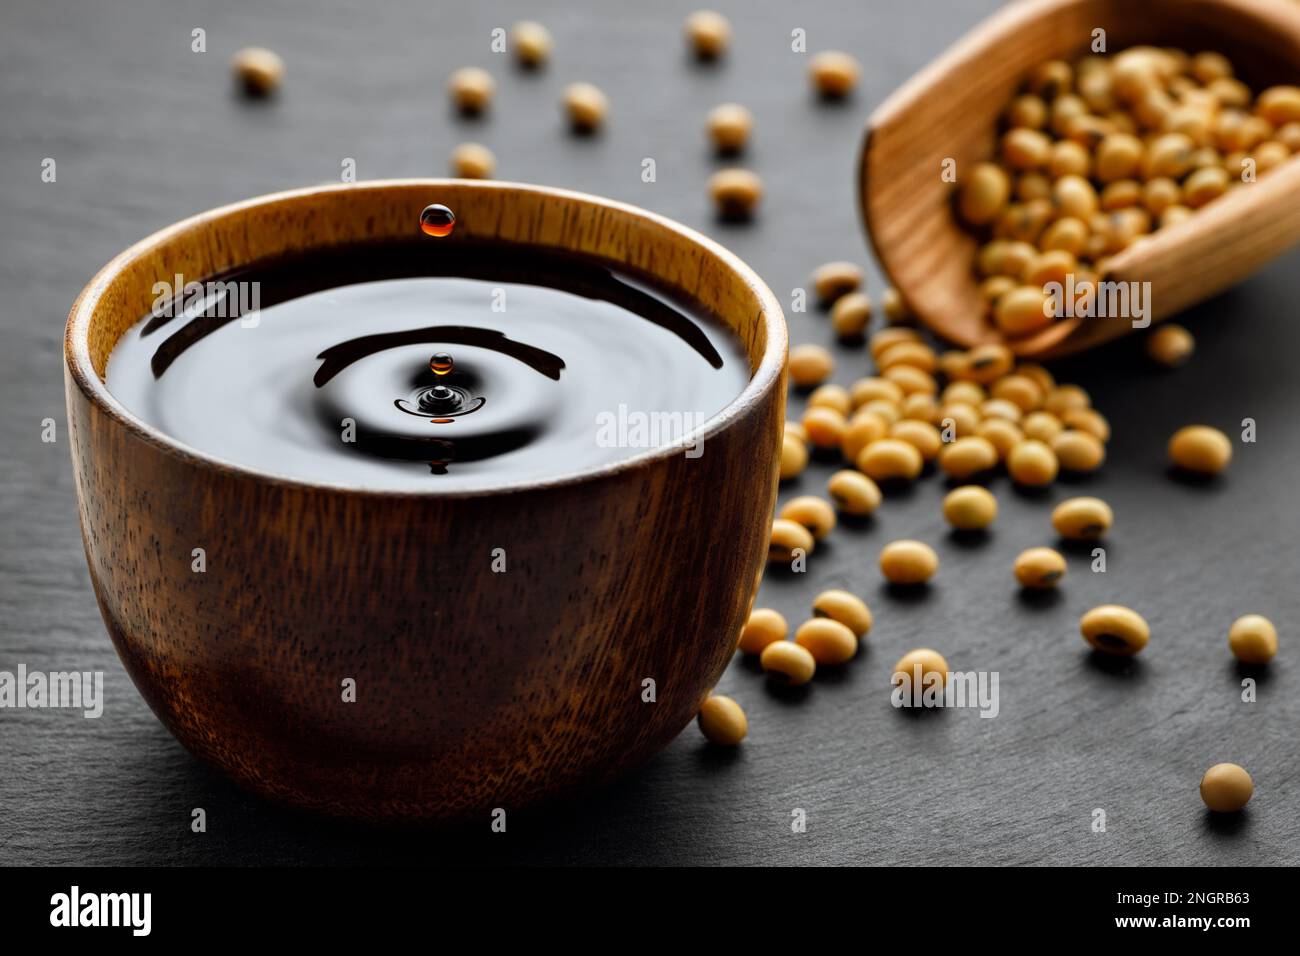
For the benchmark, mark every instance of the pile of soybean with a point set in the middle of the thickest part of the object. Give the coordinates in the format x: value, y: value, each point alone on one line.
x: 967, y: 415
x: 1098, y: 154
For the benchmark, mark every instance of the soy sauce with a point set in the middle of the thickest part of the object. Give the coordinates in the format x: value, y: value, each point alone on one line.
x: 425, y: 366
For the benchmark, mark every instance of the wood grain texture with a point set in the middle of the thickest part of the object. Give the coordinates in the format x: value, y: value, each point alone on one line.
x: 952, y: 109
x: 146, y: 133
x: 475, y: 688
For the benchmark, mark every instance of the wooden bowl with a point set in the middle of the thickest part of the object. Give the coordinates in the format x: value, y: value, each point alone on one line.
x: 952, y: 109
x: 474, y: 690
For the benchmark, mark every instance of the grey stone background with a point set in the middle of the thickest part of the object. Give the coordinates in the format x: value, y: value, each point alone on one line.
x: 146, y: 132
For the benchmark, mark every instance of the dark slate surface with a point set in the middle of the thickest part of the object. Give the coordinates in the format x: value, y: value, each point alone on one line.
x: 145, y: 132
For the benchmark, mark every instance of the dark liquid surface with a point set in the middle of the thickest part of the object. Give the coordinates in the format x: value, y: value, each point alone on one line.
x: 340, y: 374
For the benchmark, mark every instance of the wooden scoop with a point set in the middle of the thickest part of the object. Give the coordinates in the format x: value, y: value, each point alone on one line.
x: 951, y: 109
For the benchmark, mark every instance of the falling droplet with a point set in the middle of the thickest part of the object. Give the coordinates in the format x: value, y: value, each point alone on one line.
x: 437, y: 220
x: 441, y: 363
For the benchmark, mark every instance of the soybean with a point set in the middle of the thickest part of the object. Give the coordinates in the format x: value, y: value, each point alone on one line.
x: 1043, y: 426
x: 960, y: 419
x: 812, y: 512
x: 834, y: 279
x: 955, y: 364
x: 1200, y: 449
x: 869, y: 389
x: 586, y: 107
x: 968, y: 456
x: 788, y: 537
x: 1160, y: 194
x: 788, y: 663
x: 708, y: 33
x: 930, y: 665
x: 1226, y: 788
x: 1039, y: 375
x: 883, y: 339
x: 763, y: 627
x: 1118, y: 157
x: 729, y: 126
x: 1034, y: 185
x: 1082, y: 519
x: 968, y: 393
x: 984, y: 194
x: 853, y: 492
x: 908, y: 562
x: 1001, y: 408
x: 1087, y: 420
x: 890, y: 459
x: 1001, y: 434
x: 1074, y: 196
x: 850, y: 315
x: 1003, y: 258
x: 864, y: 428
x: 835, y: 397
x: 1028, y: 110
x: 848, y: 609
x: 1021, y: 390
x: 1022, y: 310
x: 1280, y: 104
x: 1026, y: 148
x: 810, y: 365
x: 1065, y: 398
x: 531, y: 42
x: 473, y: 161
x: 911, y: 379
x: 1051, y: 79
x: 824, y: 426
x: 471, y: 89
x: 827, y: 640
x: 736, y: 192
x: 990, y: 362
x: 921, y: 408
x: 722, y: 721
x: 1114, y: 629
x: 970, y: 508
x: 885, y: 410
x: 1032, y: 464
x: 915, y: 354
x: 1204, y: 185
x: 1253, y: 639
x: 1052, y: 265
x: 794, y: 456
x: 834, y: 74
x: 258, y: 70
x: 1069, y: 158
x: 921, y: 435
x: 895, y: 309
x: 1039, y: 568
x: 1078, y: 451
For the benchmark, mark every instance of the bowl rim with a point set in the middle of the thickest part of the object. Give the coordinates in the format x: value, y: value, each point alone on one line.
x: 81, y: 372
